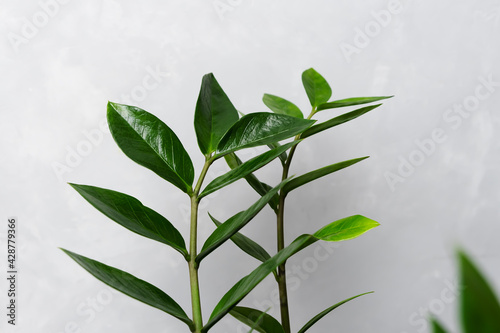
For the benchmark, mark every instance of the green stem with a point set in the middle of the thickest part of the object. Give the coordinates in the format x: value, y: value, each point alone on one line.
x: 285, y: 315
x: 193, y: 265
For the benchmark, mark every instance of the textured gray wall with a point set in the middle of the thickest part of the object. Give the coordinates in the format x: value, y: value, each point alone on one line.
x: 432, y: 180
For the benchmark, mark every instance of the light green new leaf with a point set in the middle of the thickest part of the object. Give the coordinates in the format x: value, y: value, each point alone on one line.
x: 351, y: 102
x: 133, y: 215
x: 214, y: 114
x: 246, y: 244
x: 281, y: 106
x: 327, y: 311
x: 245, y: 169
x: 346, y: 228
x: 227, y: 229
x: 343, y: 229
x: 480, y: 309
x: 338, y: 120
x: 257, y: 320
x: 132, y: 286
x: 317, y: 89
x: 313, y: 175
x: 436, y: 326
x: 261, y: 188
x: 149, y: 142
x: 261, y: 128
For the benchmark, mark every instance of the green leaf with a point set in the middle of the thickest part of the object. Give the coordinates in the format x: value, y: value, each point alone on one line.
x: 258, y: 320
x: 327, y: 311
x: 261, y: 188
x: 246, y: 244
x: 283, y: 157
x: 281, y: 106
x: 346, y: 228
x: 350, y: 102
x: 313, y: 175
x: 133, y: 215
x: 245, y: 169
x: 480, y: 310
x: 132, y: 286
x: 261, y: 128
x: 317, y: 89
x: 214, y: 114
x: 338, y: 120
x: 227, y: 229
x: 436, y: 326
x: 343, y: 229
x: 149, y: 142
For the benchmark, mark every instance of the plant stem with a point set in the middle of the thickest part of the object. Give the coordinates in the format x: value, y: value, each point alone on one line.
x: 193, y: 265
x: 285, y: 315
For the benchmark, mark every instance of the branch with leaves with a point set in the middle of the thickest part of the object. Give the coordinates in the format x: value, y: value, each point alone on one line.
x: 221, y: 132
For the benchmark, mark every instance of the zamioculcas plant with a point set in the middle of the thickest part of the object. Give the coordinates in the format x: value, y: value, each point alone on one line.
x: 479, y: 307
x: 220, y: 133
x: 319, y: 93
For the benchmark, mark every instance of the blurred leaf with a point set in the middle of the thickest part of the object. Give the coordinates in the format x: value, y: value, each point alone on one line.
x: 258, y: 320
x: 343, y: 229
x: 317, y: 89
x: 313, y: 175
x: 227, y: 229
x: 132, y: 286
x: 350, y: 102
x: 338, y: 120
x: 436, y: 326
x: 245, y: 169
x: 327, y: 311
x: 261, y: 188
x: 133, y: 215
x: 149, y: 142
x: 261, y: 128
x: 282, y: 106
x: 214, y: 114
x: 246, y: 244
x: 480, y: 309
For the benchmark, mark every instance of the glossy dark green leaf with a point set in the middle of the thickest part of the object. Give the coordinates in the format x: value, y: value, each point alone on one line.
x: 261, y: 128
x: 261, y: 188
x: 437, y: 327
x: 338, y: 120
x: 317, y: 89
x: 351, y: 102
x: 281, y: 106
x: 227, y: 229
x: 133, y: 215
x: 283, y: 157
x: 149, y: 142
x: 343, y: 229
x: 214, y: 114
x: 313, y: 175
x: 245, y: 169
x: 480, y: 309
x: 257, y: 320
x: 246, y: 244
x: 131, y: 286
x: 327, y: 311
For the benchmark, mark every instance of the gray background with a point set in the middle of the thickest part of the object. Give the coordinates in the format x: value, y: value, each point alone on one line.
x: 61, y: 61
